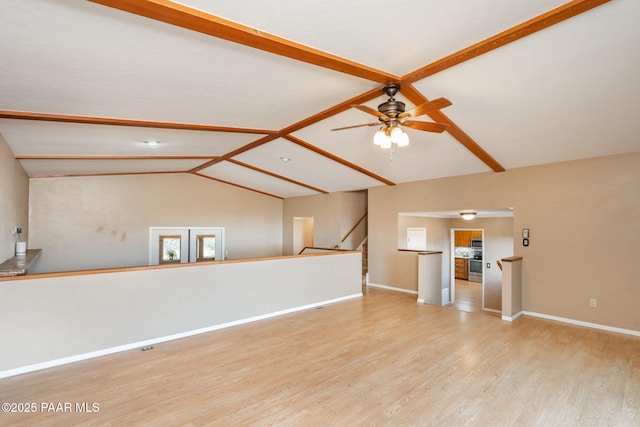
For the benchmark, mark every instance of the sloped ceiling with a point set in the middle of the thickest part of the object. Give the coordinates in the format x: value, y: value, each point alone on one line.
x: 230, y: 88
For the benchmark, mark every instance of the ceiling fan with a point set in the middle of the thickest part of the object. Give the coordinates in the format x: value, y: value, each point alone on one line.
x: 392, y: 117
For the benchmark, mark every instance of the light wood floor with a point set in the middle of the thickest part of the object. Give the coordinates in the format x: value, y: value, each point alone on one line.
x: 383, y: 360
x: 468, y: 296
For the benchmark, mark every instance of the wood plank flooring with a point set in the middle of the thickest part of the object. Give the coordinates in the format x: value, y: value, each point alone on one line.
x: 468, y: 296
x: 383, y: 360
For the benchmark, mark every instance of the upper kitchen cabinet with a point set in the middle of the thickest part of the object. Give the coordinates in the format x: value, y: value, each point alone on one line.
x: 463, y: 237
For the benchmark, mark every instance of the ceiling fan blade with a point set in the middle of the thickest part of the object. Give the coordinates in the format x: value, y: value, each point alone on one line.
x: 371, y: 111
x: 427, y: 107
x: 427, y: 126
x: 358, y: 126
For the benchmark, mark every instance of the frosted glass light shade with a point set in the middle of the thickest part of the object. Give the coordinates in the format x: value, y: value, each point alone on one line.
x: 402, y: 139
x: 380, y: 137
x: 386, y: 143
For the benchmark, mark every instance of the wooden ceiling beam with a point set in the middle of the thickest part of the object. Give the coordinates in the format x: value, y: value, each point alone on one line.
x: 275, y: 175
x: 64, y: 118
x: 235, y: 152
x: 413, y: 95
x: 238, y: 185
x: 109, y: 157
x: 205, y: 23
x: 330, y: 112
x: 338, y: 159
x: 525, y: 29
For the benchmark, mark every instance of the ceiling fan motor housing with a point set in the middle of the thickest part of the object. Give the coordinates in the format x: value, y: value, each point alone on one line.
x: 391, y: 108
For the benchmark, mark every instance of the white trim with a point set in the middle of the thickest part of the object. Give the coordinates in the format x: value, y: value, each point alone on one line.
x: 581, y: 323
x: 445, y: 297
x: 391, y: 288
x: 492, y: 310
x: 420, y: 300
x: 126, y: 347
x: 512, y: 318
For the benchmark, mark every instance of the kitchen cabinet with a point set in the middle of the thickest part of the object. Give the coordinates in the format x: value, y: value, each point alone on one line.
x: 463, y: 238
x: 462, y: 269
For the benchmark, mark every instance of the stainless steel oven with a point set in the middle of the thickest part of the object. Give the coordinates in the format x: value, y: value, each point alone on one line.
x: 475, y: 270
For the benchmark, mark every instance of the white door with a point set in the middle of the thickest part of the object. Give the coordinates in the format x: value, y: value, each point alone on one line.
x: 417, y: 238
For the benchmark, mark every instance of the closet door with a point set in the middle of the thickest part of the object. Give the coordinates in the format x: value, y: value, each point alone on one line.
x: 206, y: 244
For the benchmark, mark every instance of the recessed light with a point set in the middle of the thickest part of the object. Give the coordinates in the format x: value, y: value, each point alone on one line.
x: 285, y: 159
x: 152, y: 142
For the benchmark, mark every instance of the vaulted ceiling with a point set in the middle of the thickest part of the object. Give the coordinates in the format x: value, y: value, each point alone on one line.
x: 230, y: 88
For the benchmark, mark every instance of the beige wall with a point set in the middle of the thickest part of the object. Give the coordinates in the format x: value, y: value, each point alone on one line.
x: 14, y: 201
x: 405, y: 264
x: 354, y: 205
x: 584, y: 221
x: 333, y: 215
x: 100, y: 222
x: 498, y: 236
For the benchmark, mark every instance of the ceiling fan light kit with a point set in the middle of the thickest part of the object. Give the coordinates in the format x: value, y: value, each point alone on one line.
x: 393, y: 117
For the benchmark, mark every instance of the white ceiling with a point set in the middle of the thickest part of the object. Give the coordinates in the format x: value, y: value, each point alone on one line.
x: 567, y: 92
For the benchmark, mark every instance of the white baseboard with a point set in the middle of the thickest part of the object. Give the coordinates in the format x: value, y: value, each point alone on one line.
x: 140, y: 344
x: 581, y: 323
x: 492, y: 310
x: 512, y: 318
x: 391, y: 288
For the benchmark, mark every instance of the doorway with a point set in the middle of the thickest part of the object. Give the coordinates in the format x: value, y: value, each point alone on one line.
x: 302, y: 233
x: 467, y: 269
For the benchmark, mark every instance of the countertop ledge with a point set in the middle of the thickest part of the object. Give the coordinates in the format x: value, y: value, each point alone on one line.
x: 19, y: 264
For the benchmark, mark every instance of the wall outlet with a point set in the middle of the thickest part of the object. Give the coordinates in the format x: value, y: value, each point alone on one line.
x: 17, y: 230
x: 488, y: 265
x: 593, y: 303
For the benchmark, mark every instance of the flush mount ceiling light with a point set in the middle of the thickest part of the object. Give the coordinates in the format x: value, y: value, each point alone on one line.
x: 468, y: 215
x: 152, y: 142
x: 285, y: 159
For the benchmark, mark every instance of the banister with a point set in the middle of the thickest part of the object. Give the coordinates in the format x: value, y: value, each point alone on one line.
x: 324, y: 249
x: 354, y: 228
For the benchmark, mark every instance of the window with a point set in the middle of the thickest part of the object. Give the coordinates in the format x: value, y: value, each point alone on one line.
x: 205, y: 248
x: 169, y: 247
